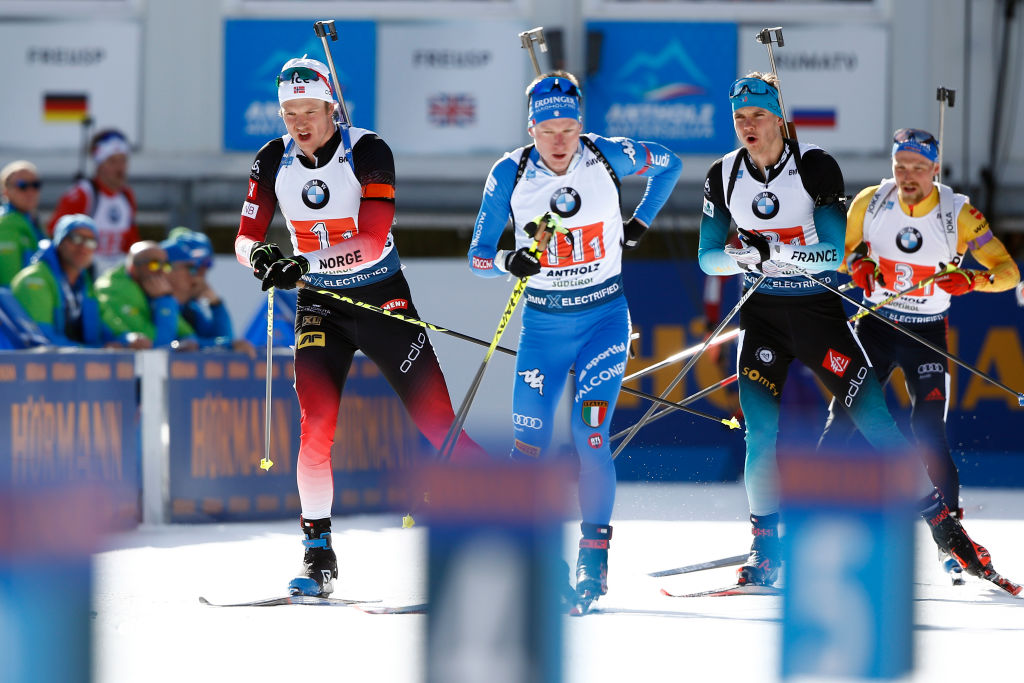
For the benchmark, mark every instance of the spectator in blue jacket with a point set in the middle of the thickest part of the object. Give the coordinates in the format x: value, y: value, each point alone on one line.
x: 56, y: 288
x: 191, y: 256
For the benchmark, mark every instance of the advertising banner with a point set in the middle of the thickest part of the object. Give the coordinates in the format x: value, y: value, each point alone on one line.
x: 666, y: 82
x: 834, y: 83
x: 254, y: 52
x: 452, y: 87
x: 65, y: 72
x: 216, y: 416
x: 70, y: 419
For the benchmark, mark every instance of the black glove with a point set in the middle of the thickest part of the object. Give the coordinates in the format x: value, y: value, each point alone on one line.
x: 285, y: 273
x: 632, y: 231
x: 757, y: 241
x: 553, y: 219
x: 522, y: 263
x: 261, y: 256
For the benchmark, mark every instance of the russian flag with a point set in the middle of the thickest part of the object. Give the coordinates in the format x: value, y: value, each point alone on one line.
x: 814, y: 118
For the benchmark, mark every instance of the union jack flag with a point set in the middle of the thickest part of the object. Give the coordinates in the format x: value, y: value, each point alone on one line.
x: 452, y: 110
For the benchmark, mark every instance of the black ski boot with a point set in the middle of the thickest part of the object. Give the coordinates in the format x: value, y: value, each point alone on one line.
x: 949, y: 535
x: 319, y: 563
x: 591, y: 566
x: 762, y: 567
x: 950, y: 564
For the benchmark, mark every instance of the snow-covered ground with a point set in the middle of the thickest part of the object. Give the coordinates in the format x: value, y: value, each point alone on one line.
x: 149, y: 625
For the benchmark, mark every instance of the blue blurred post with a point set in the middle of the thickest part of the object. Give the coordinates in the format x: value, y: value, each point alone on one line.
x: 848, y: 553
x: 47, y: 535
x: 495, y: 538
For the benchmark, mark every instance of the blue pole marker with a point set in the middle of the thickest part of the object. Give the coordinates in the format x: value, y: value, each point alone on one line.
x: 46, y: 580
x: 848, y: 558
x: 495, y: 533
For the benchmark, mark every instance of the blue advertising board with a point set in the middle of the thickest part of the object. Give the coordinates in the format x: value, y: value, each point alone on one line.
x: 666, y: 82
x: 254, y: 52
x: 216, y: 417
x: 666, y: 309
x: 72, y: 419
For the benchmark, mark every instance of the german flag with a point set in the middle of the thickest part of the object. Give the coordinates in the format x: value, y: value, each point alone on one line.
x: 65, y: 107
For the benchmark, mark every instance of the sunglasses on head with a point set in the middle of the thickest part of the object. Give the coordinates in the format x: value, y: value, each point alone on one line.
x: 298, y: 74
x: 553, y: 84
x: 914, y: 135
x: 27, y: 184
x: 82, y: 240
x: 754, y: 86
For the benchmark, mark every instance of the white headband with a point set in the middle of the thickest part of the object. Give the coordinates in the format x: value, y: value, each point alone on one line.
x: 109, y: 147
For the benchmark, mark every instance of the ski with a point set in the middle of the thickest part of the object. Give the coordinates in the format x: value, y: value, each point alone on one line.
x: 420, y: 608
x: 727, y: 590
x: 1004, y: 583
x: 701, y: 566
x: 290, y: 600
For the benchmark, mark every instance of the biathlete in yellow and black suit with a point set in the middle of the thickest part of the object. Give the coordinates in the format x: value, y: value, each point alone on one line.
x: 899, y: 233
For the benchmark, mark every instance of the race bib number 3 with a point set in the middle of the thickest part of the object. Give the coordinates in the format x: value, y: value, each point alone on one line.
x: 901, y: 276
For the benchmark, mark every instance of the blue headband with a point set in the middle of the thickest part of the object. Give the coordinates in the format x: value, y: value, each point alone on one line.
x: 916, y: 140
x: 553, y: 98
x: 753, y: 92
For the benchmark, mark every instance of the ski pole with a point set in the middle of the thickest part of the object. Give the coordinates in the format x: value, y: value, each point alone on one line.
x: 731, y: 423
x: 692, y: 398
x: 685, y: 353
x: 548, y: 223
x: 916, y: 337
x: 266, y: 463
x: 689, y: 364
x: 889, y: 299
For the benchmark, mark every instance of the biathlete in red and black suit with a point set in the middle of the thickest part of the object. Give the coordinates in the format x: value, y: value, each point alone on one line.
x: 335, y: 186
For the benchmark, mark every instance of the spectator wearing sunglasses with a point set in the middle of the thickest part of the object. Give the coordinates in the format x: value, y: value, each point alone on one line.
x: 19, y: 223
x: 191, y: 256
x: 896, y: 237
x: 576, y: 313
x: 787, y: 200
x: 138, y: 304
x: 56, y: 288
x: 106, y: 197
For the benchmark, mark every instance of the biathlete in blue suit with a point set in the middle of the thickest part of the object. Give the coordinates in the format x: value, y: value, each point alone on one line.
x: 576, y: 313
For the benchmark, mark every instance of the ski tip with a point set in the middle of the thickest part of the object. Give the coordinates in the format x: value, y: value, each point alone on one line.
x: 203, y: 601
x: 665, y: 592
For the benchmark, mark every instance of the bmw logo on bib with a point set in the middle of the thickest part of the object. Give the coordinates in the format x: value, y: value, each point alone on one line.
x: 765, y: 205
x: 908, y: 240
x: 565, y: 202
x: 315, y: 194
